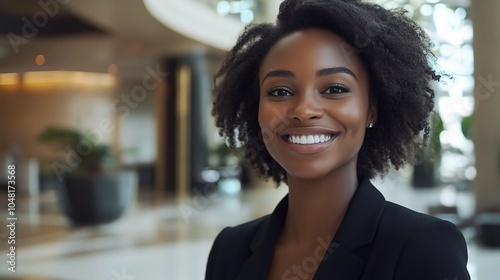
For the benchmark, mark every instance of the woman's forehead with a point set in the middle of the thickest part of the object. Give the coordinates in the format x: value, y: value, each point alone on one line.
x: 311, y: 46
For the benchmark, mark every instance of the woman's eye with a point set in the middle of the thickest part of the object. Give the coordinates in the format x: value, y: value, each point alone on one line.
x: 278, y: 92
x: 336, y: 89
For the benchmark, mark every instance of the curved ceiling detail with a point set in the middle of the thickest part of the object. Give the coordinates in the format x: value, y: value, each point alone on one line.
x: 196, y: 21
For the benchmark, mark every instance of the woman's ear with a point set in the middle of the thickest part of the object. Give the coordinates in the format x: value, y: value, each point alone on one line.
x: 372, y: 114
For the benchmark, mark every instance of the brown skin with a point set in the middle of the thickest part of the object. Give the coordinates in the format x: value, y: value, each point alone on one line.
x: 297, y: 99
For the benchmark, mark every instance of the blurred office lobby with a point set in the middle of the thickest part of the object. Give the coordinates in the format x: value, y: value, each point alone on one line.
x: 89, y: 86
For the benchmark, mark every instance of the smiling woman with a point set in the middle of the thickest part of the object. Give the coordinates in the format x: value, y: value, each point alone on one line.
x: 333, y: 94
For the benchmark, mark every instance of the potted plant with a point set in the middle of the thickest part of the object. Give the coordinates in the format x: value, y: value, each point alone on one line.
x: 93, y: 190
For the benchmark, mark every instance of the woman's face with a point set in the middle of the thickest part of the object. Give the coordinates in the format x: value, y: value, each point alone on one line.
x: 314, y: 106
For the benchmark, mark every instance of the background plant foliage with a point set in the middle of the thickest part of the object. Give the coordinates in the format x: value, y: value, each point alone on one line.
x: 93, y: 157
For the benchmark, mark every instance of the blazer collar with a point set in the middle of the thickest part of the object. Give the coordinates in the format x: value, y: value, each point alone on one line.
x: 356, y: 230
x: 263, y: 243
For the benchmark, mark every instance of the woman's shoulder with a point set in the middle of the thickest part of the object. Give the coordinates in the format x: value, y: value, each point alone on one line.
x: 238, y: 238
x: 424, y: 245
x: 404, y: 218
x: 400, y: 223
x: 243, y: 231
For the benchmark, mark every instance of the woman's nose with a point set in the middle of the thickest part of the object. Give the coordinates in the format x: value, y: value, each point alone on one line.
x: 307, y: 107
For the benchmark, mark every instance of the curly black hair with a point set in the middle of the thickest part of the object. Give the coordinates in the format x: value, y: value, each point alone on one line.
x: 397, y: 55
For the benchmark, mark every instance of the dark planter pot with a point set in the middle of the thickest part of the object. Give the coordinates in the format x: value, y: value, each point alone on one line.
x: 488, y: 229
x: 89, y: 199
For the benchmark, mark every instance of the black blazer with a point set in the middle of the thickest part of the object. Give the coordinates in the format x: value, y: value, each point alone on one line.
x: 377, y: 240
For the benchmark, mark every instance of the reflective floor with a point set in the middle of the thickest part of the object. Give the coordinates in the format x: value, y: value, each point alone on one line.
x: 170, y: 239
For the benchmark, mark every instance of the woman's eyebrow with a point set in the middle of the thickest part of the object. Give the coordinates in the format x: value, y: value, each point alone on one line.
x: 334, y: 70
x: 319, y: 73
x: 279, y: 73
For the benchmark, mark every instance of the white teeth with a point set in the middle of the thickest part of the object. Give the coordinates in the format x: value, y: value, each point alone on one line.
x: 309, y: 139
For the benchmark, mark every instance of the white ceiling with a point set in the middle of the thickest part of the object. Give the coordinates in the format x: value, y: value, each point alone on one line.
x: 134, y: 40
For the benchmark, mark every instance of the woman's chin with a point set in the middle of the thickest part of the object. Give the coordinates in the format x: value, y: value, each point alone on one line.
x: 306, y: 174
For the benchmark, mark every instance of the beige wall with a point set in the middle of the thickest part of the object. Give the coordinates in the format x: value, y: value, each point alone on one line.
x: 26, y: 111
x: 486, y: 118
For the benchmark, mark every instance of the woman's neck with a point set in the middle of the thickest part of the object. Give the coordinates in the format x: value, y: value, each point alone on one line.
x: 317, y: 207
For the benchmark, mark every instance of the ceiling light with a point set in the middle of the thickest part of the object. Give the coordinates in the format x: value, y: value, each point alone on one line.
x: 40, y: 59
x: 9, y: 79
x: 69, y: 78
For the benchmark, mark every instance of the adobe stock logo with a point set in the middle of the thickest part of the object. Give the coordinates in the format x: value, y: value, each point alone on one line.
x: 310, y: 264
x: 31, y: 26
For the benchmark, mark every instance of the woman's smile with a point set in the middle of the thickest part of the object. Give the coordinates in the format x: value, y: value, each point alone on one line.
x: 308, y: 140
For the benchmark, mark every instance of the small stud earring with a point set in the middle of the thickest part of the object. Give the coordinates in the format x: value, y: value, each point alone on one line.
x: 370, y: 125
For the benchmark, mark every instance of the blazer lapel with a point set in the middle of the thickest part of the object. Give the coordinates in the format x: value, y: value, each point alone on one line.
x: 257, y: 265
x: 357, y: 229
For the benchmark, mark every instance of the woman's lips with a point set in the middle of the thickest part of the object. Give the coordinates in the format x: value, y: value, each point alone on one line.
x: 308, y: 140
